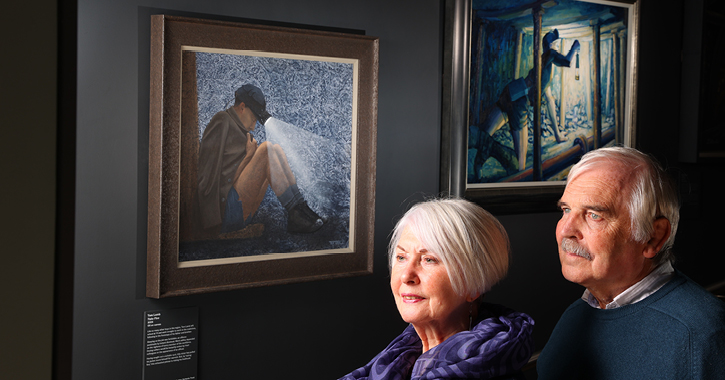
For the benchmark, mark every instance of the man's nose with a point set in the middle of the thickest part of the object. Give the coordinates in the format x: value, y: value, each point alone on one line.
x: 569, y: 226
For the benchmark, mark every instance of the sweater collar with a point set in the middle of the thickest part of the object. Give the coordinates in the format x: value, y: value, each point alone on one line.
x: 637, y: 292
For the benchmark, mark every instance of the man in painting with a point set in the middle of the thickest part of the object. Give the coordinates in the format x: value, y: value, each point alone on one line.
x: 234, y: 170
x: 512, y: 108
x: 638, y: 318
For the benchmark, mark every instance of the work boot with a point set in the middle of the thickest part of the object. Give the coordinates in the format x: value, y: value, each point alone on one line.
x: 486, y: 147
x: 506, y: 156
x: 300, y: 219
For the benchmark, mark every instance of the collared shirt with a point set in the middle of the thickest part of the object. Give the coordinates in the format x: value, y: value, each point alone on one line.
x: 637, y: 292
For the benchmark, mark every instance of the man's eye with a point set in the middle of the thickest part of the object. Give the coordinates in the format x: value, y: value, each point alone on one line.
x: 595, y: 216
x: 565, y: 210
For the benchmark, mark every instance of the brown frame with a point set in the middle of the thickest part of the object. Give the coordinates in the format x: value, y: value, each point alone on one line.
x: 169, y: 34
x: 522, y: 197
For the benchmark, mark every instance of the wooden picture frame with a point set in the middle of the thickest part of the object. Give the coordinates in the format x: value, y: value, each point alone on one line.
x: 196, y: 66
x: 489, y: 55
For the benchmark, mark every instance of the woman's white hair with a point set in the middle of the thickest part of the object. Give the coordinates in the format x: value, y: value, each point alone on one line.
x: 470, y: 242
x: 652, y: 194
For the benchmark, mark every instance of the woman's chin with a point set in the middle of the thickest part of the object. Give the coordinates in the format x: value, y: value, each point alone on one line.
x: 411, y: 317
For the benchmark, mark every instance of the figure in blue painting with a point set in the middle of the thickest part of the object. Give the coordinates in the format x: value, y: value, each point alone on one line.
x: 235, y: 170
x: 512, y: 108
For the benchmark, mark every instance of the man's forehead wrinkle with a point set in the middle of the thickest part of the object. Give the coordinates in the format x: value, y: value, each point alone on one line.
x: 624, y: 169
x: 597, y: 189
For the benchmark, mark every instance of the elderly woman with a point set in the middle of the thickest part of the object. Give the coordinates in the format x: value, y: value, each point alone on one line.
x: 444, y: 255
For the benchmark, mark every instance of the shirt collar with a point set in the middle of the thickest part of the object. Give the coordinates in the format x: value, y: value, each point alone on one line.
x: 637, y: 292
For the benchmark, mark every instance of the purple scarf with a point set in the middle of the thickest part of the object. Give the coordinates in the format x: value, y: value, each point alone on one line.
x: 499, y: 344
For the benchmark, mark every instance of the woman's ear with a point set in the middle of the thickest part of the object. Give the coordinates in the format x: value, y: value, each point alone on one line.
x: 474, y: 298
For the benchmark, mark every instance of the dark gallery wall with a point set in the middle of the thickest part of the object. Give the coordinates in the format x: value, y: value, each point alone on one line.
x: 27, y: 188
x: 658, y: 132
x: 322, y: 329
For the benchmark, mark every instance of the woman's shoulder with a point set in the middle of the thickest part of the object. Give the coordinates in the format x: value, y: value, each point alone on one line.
x: 501, y: 326
x: 491, y: 310
x: 499, y: 343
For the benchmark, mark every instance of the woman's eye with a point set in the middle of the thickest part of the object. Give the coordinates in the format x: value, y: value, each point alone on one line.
x: 430, y: 260
x: 399, y: 258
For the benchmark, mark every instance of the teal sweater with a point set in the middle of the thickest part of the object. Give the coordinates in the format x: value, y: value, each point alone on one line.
x: 676, y: 333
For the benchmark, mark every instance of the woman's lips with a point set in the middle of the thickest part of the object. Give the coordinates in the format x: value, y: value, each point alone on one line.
x: 411, y: 298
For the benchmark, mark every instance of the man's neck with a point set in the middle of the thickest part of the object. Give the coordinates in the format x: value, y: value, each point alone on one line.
x: 653, y: 281
x: 605, y: 295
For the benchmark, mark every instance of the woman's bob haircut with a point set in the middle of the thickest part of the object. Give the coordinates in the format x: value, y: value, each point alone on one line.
x: 469, y: 241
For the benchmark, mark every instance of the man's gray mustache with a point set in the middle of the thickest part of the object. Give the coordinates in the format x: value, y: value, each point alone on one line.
x: 570, y: 245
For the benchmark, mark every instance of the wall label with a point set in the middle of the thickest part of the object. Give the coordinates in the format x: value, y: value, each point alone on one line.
x: 171, y: 344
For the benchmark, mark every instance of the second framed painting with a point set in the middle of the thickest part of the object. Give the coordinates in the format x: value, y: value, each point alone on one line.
x: 529, y: 87
x: 261, y: 155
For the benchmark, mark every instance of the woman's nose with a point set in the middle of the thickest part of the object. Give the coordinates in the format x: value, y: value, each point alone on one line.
x: 409, y: 274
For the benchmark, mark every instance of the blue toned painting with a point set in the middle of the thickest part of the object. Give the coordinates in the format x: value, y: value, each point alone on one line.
x: 573, y: 112
x: 311, y: 107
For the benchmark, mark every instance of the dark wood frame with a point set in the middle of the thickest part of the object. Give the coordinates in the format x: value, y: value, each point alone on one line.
x: 164, y: 276
x: 522, y: 197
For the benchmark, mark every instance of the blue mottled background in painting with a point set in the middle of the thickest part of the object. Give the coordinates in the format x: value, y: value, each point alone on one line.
x: 311, y: 107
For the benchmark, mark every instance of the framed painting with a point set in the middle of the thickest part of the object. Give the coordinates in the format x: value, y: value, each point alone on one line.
x: 261, y: 155
x: 529, y: 87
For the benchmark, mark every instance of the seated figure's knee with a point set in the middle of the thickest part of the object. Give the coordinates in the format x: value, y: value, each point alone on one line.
x: 263, y: 147
x: 277, y: 149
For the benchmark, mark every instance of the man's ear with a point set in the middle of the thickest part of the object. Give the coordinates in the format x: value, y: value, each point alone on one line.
x: 661, y: 233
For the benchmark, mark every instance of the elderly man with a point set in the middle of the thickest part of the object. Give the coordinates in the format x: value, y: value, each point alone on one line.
x: 639, y: 318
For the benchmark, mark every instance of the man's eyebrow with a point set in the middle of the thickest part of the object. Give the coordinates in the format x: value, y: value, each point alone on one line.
x: 597, y: 208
